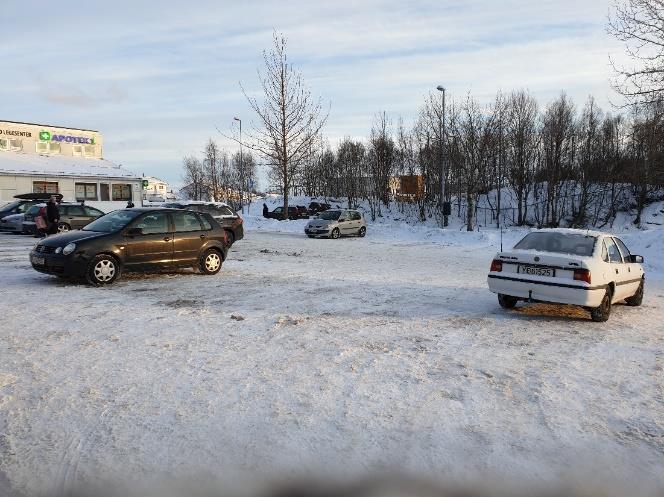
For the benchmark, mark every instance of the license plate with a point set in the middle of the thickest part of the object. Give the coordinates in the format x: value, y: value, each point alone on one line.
x: 38, y: 260
x: 536, y: 271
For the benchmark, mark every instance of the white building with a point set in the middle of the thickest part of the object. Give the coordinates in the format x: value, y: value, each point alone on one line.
x: 49, y: 159
x: 157, y: 190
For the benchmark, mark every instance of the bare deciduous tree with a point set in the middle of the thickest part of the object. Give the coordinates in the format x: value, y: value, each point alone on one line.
x: 640, y: 24
x: 289, y: 119
x: 194, y: 178
x: 380, y: 160
x: 522, y: 141
x: 216, y: 168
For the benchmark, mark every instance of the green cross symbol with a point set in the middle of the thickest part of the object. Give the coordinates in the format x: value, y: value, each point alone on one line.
x: 44, y: 136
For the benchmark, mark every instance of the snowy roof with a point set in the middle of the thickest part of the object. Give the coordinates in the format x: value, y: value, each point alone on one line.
x: 154, y: 179
x: 58, y: 165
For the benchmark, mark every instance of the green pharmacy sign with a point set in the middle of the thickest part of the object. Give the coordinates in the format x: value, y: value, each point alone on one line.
x: 46, y: 136
x: 145, y: 183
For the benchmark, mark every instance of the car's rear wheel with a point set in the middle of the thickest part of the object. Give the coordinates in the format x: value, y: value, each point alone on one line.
x: 210, y: 262
x: 636, y: 299
x: 103, y: 270
x: 362, y: 232
x: 63, y: 228
x: 507, y: 301
x: 601, y: 314
x: 335, y: 233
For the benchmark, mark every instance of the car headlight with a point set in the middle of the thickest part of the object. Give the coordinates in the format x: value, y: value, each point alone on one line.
x: 58, y: 250
x: 69, y: 248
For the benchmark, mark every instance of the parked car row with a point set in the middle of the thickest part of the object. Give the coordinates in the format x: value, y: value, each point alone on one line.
x: 294, y: 212
x: 297, y: 211
x: 12, y: 213
x: 585, y: 268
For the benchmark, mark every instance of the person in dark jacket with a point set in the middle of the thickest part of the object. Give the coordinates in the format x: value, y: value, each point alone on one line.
x: 130, y: 205
x: 265, y: 210
x: 52, y: 216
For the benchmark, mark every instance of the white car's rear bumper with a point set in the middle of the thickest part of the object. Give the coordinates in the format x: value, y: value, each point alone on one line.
x: 546, y: 291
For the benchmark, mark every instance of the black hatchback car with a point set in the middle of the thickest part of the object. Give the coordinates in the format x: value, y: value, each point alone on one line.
x: 140, y: 239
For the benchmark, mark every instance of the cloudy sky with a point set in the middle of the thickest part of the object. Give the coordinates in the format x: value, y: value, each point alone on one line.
x: 158, y: 78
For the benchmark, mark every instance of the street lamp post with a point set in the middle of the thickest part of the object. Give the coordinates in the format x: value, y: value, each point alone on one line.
x: 442, y: 159
x: 242, y: 187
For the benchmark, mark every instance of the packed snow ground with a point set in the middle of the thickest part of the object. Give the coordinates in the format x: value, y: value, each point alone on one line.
x: 346, y: 355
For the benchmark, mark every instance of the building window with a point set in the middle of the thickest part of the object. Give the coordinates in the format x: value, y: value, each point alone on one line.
x: 86, y: 191
x: 89, y: 150
x: 77, y: 150
x: 14, y: 144
x: 45, y: 186
x: 103, y: 187
x: 48, y: 147
x: 121, y: 192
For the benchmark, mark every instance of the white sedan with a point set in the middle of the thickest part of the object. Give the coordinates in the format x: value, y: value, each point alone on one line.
x: 568, y: 266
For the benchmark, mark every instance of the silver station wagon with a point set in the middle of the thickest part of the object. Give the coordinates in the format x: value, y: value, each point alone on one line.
x: 334, y: 223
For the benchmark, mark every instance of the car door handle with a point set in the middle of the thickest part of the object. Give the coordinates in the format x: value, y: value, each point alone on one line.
x: 202, y: 236
x: 167, y: 238
x: 617, y: 272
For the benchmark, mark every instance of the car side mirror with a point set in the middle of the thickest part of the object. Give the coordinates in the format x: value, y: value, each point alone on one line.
x: 134, y: 231
x: 638, y: 259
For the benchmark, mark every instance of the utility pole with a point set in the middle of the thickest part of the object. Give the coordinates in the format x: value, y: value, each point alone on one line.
x: 443, y: 173
x: 242, y: 182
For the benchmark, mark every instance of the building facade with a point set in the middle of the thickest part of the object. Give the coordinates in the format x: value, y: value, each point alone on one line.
x: 157, y: 190
x: 37, y: 158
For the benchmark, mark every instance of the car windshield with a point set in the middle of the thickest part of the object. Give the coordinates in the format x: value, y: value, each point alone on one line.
x: 9, y: 206
x: 34, y: 209
x: 330, y: 215
x: 113, y: 221
x: 561, y: 243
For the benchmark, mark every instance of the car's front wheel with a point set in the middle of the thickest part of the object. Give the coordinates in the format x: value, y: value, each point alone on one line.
x: 362, y: 232
x: 335, y: 233
x: 63, y: 228
x: 103, y: 270
x: 210, y: 262
x: 507, y: 301
x: 601, y: 314
x: 636, y: 299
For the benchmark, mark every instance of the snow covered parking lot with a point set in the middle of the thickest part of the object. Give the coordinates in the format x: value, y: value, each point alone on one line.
x: 354, y: 353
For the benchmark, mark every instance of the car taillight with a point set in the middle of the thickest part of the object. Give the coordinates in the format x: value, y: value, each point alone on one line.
x: 496, y: 266
x: 582, y: 275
